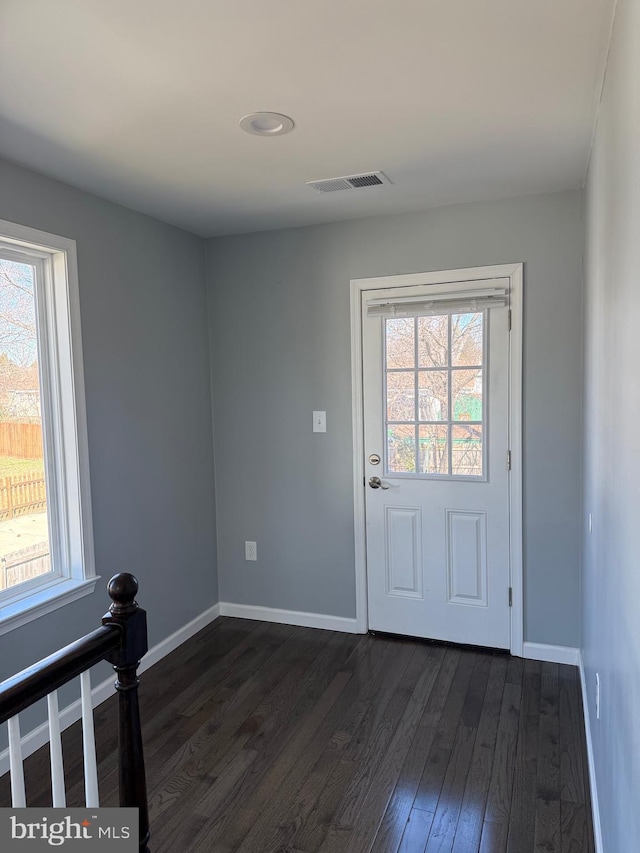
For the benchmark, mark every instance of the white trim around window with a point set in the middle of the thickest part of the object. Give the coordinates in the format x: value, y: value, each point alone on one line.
x: 64, y: 428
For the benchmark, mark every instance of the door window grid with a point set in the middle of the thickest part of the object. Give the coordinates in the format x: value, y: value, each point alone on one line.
x: 435, y: 395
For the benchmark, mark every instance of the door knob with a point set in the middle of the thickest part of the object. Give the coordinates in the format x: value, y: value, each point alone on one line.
x: 376, y: 483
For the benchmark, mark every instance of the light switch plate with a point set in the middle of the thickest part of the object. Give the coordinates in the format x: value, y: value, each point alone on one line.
x: 319, y: 421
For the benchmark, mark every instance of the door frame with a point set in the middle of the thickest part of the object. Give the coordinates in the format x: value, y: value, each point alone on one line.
x: 359, y: 286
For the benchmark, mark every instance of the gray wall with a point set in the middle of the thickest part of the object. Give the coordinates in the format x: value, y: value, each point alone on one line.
x: 611, y: 581
x: 280, y: 339
x: 145, y: 341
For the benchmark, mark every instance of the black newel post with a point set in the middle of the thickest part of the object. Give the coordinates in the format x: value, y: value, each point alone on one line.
x: 124, y: 611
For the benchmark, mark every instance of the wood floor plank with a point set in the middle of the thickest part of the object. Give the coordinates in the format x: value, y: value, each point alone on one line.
x: 179, y: 729
x: 437, y: 762
x: 574, y: 829
x: 280, y: 720
x: 494, y: 837
x: 523, y: 802
x: 588, y: 810
x: 443, y: 828
x: 547, y: 820
x: 498, y: 807
x: 576, y: 821
x: 515, y: 670
x: 276, y: 772
x: 445, y: 821
x: 416, y: 832
x: 216, y: 744
x: 363, y: 720
x: 571, y: 722
x: 385, y: 780
x: 470, y: 821
x: 379, y: 741
x: 267, y: 829
x: 238, y: 653
x: 370, y: 666
x: 264, y: 738
x: 230, y: 667
x: 393, y: 826
x: 189, y: 780
x: 287, y: 771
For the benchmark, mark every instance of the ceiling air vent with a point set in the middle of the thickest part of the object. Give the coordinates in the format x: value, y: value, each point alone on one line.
x: 350, y: 182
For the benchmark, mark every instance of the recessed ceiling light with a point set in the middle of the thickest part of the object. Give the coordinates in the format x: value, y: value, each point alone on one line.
x: 266, y: 124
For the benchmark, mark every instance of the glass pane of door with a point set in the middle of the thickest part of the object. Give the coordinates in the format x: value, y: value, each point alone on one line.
x: 435, y: 395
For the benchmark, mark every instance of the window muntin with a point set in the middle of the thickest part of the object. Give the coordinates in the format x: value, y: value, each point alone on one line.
x: 435, y: 395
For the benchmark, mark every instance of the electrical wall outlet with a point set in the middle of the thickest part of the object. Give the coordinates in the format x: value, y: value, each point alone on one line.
x: 597, y: 695
x: 250, y: 551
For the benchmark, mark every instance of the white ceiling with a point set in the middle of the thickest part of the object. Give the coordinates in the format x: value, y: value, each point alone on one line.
x: 138, y: 101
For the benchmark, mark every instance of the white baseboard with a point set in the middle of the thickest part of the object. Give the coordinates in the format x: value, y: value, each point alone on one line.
x: 597, y: 828
x: 289, y: 617
x: 37, y: 737
x: 551, y: 654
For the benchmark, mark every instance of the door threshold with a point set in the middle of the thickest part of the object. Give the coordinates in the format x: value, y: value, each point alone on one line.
x: 432, y: 642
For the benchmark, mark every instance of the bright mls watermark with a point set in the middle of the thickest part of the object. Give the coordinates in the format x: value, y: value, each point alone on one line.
x: 69, y: 829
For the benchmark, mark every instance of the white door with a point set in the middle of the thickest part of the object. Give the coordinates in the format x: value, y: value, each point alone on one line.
x: 436, y: 428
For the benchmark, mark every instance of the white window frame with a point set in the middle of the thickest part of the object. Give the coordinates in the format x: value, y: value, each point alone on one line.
x: 64, y: 428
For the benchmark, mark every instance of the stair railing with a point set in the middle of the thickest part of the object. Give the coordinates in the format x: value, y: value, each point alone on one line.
x: 122, y: 641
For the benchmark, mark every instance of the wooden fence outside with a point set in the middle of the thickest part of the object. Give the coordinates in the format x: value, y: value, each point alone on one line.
x: 22, y: 494
x: 24, y: 564
x: 22, y: 440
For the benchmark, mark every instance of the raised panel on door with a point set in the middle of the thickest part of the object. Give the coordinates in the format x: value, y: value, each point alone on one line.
x: 403, y: 534
x: 467, y: 580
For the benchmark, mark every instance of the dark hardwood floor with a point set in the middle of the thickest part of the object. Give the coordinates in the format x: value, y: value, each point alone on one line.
x: 265, y: 738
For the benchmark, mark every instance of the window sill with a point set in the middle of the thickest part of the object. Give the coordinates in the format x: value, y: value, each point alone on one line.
x: 42, y: 601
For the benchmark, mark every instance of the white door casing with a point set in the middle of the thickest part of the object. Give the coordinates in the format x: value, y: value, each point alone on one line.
x: 443, y: 549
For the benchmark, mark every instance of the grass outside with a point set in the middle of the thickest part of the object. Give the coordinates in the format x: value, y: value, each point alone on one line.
x: 10, y: 466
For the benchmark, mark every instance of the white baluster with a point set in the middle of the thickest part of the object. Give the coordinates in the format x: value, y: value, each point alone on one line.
x: 92, y: 797
x: 18, y: 796
x: 55, y: 746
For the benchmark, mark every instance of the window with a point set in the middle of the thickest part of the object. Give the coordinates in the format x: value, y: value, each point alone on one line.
x: 435, y: 395
x: 46, y: 545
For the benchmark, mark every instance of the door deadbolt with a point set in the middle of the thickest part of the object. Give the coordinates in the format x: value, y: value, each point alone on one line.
x: 374, y: 459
